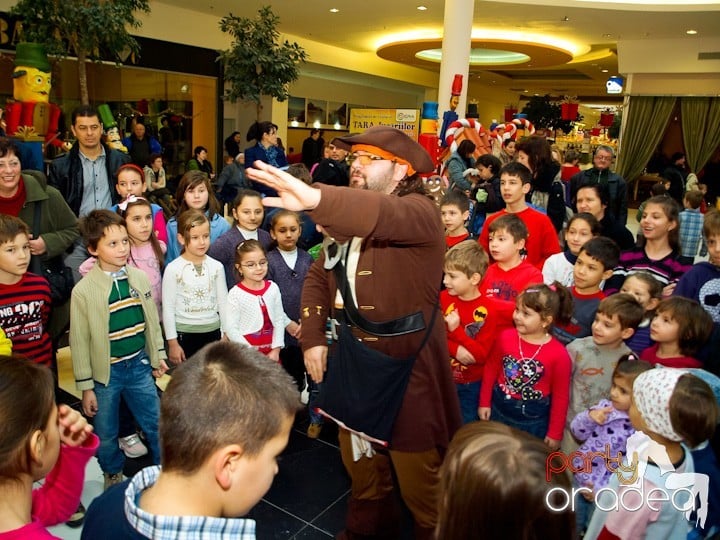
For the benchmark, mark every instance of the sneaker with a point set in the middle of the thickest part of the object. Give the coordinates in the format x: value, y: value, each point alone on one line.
x: 76, y: 520
x: 132, y: 446
x: 313, y: 430
x: 112, y: 479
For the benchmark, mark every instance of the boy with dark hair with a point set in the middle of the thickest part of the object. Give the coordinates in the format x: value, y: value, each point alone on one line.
x: 116, y: 341
x: 594, y: 357
x: 690, y: 229
x: 471, y: 319
x: 594, y: 264
x: 24, y: 297
x: 515, y: 181
x: 509, y: 274
x: 219, y: 453
x: 701, y: 283
x: 454, y: 211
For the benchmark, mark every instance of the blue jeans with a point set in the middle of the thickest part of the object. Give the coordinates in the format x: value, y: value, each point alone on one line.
x: 584, y: 510
x: 532, y: 416
x: 134, y: 381
x: 469, y: 395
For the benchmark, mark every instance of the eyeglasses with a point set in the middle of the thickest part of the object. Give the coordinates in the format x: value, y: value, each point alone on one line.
x: 364, y: 159
x: 603, y: 157
x: 254, y: 265
x: 14, y: 164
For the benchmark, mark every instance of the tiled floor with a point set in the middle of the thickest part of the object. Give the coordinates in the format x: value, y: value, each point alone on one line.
x: 307, y: 500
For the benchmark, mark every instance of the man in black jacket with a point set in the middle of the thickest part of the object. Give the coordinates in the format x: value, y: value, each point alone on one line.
x: 333, y: 170
x: 86, y: 174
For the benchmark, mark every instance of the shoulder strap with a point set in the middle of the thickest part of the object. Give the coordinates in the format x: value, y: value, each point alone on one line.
x: 35, y: 260
x: 396, y: 327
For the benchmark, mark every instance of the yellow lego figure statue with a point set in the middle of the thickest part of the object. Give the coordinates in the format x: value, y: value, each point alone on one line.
x: 31, y: 118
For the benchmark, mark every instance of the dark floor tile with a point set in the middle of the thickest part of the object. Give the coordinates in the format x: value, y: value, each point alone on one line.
x: 329, y: 433
x: 274, y: 523
x: 332, y: 520
x: 311, y: 533
x: 311, y: 478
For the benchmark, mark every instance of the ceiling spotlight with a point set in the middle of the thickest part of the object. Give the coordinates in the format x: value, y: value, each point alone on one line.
x: 334, y: 10
x: 566, y: 18
x: 604, y: 70
x: 607, y: 35
x: 691, y: 32
x: 422, y: 8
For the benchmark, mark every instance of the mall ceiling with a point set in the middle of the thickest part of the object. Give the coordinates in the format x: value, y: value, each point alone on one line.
x: 587, y: 32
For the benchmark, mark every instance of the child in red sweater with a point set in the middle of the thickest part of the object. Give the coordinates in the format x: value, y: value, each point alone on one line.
x: 472, y: 320
x: 526, y: 383
x: 510, y: 273
x: 38, y: 440
x: 455, y: 211
x: 679, y: 329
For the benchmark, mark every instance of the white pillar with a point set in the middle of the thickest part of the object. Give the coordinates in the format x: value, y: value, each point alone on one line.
x: 456, y: 45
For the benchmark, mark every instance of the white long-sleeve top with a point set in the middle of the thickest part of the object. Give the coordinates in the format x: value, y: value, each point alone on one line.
x: 244, y: 313
x: 192, y: 296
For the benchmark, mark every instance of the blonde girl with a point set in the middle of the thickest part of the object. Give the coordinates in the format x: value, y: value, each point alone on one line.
x: 255, y: 311
x: 248, y: 213
x: 559, y: 267
x: 131, y: 181
x: 38, y: 439
x: 526, y: 383
x: 194, y: 291
x: 195, y: 192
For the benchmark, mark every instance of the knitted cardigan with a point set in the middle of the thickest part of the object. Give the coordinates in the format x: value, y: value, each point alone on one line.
x: 90, y: 316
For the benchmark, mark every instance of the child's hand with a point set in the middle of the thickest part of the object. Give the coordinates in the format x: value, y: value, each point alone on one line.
x: 554, y: 444
x: 89, y: 403
x: 484, y: 413
x: 452, y: 320
x: 668, y: 290
x: 159, y: 372
x: 464, y: 356
x: 73, y: 427
x: 175, y: 352
x: 599, y: 416
x: 588, y: 496
x: 274, y: 354
x: 293, y: 329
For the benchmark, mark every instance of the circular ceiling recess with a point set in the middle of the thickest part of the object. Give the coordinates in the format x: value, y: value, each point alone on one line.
x: 479, y: 57
x: 495, y: 53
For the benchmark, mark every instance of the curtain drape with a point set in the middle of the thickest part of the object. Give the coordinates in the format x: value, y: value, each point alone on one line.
x: 647, y: 118
x: 701, y: 129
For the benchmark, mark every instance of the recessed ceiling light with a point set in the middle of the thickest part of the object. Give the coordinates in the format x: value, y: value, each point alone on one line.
x: 607, y: 35
x: 422, y: 8
x: 604, y: 70
x: 691, y: 32
x: 334, y: 10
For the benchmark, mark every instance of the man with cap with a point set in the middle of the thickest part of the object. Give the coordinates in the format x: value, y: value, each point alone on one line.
x: 334, y: 169
x: 378, y: 281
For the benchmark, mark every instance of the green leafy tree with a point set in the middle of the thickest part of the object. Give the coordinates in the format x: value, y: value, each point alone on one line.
x: 87, y: 29
x: 258, y: 63
x: 545, y: 112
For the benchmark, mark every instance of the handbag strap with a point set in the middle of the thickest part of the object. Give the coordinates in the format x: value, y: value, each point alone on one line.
x: 35, y: 260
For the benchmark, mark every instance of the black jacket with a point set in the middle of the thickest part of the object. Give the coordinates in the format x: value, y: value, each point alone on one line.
x: 66, y: 175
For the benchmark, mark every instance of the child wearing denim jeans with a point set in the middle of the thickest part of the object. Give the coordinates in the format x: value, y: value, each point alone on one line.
x: 472, y: 320
x: 116, y: 341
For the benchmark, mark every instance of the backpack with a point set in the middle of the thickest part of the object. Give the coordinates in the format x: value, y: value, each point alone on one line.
x: 556, y: 209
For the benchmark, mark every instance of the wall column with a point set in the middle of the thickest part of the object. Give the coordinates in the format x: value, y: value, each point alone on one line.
x: 456, y: 44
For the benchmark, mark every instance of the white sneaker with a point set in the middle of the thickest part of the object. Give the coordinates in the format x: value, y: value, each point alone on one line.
x: 132, y: 446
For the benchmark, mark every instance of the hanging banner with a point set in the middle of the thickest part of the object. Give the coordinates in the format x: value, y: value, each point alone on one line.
x: 406, y: 120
